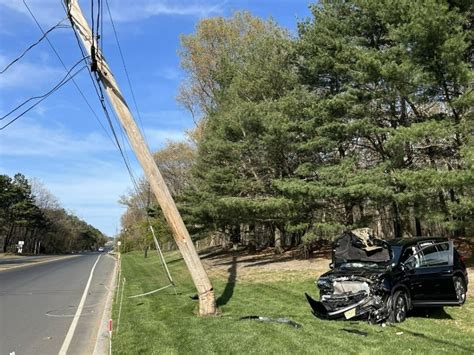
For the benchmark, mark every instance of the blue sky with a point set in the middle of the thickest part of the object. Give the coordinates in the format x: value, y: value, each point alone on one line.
x: 59, y: 142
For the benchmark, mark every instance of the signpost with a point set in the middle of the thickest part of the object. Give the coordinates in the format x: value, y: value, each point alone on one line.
x: 20, y: 246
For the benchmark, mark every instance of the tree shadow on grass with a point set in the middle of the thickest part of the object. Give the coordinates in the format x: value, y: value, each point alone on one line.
x: 453, y: 345
x: 229, y: 287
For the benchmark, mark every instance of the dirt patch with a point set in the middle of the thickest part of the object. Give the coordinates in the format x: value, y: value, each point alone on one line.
x: 264, y: 266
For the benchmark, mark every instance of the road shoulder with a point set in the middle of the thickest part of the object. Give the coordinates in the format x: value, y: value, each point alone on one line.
x: 102, y: 338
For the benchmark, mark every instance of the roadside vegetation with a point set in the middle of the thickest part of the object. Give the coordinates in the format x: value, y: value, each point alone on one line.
x: 363, y: 118
x: 164, y: 323
x: 29, y: 212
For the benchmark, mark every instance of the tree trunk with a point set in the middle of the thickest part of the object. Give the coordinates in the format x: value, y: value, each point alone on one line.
x: 252, y: 245
x: 397, y: 223
x: 349, y: 214
x: 279, y: 240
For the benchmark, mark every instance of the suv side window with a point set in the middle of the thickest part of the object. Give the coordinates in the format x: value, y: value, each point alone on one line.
x: 430, y: 256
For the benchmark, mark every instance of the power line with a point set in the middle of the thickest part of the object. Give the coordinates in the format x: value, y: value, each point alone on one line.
x: 125, y: 69
x: 98, y: 89
x: 63, y: 81
x: 65, y: 68
x: 40, y: 96
x: 45, y: 34
x: 99, y: 92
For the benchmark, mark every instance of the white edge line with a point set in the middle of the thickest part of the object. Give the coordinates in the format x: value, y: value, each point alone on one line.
x: 100, y: 343
x: 72, y: 327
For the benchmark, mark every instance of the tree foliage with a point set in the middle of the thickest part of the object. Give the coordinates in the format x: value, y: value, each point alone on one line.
x: 364, y: 118
x: 29, y: 212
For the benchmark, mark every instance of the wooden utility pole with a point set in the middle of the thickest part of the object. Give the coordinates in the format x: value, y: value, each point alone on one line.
x: 207, y: 302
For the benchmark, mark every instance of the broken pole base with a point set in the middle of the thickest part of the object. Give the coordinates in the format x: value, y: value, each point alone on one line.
x: 207, y: 304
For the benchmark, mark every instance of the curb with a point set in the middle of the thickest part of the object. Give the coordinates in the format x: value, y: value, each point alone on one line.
x: 102, y: 339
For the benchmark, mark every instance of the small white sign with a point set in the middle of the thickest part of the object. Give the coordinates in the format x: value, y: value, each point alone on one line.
x: 21, y: 242
x: 119, y: 243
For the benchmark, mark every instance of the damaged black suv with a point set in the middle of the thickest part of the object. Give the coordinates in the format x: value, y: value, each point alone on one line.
x: 382, y: 280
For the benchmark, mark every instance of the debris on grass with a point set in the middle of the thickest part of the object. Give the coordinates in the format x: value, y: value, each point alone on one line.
x: 275, y: 320
x: 355, y: 331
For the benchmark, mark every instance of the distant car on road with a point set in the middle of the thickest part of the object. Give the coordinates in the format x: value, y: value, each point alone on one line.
x: 101, y: 249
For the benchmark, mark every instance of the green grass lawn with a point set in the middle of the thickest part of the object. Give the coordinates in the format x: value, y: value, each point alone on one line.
x: 164, y: 323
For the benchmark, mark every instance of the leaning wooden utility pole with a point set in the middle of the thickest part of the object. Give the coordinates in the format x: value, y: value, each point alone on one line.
x: 207, y: 302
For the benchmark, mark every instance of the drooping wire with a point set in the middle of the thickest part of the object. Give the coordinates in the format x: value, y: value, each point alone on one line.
x: 45, y: 34
x: 65, y: 68
x: 125, y: 70
x: 40, y: 96
x: 103, y: 102
x: 43, y: 97
x: 98, y: 90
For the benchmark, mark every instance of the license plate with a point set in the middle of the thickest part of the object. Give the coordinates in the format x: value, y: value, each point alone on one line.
x: 349, y: 314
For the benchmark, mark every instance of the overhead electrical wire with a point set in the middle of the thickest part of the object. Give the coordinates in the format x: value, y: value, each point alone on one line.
x: 65, y: 68
x: 70, y: 76
x: 45, y: 34
x: 40, y: 96
x: 43, y: 97
x: 125, y: 69
x: 103, y: 101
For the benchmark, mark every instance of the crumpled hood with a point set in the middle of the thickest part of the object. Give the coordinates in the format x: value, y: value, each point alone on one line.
x: 370, y: 273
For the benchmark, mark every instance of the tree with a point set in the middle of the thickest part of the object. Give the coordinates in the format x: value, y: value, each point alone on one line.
x: 29, y: 212
x: 390, y: 84
x: 249, y: 87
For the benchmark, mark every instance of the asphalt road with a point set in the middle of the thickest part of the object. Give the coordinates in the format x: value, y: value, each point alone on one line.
x: 39, y: 302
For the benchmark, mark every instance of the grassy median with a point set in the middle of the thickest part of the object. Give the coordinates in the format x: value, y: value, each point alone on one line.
x: 164, y: 323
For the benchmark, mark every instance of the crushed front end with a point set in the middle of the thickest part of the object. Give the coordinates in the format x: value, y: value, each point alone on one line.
x: 358, y: 286
x: 351, y: 297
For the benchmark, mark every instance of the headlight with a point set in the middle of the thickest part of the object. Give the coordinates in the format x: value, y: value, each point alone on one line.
x: 323, y: 283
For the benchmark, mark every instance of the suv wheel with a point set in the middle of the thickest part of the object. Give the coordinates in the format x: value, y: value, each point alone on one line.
x: 460, y: 289
x: 399, y: 307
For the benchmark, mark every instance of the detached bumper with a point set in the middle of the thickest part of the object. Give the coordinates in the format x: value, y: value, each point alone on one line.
x: 347, y: 312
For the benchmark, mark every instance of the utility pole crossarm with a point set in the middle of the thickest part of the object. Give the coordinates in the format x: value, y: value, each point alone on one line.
x: 207, y: 303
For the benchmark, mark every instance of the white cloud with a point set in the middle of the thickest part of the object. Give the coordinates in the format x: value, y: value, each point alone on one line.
x: 169, y: 73
x: 88, y: 186
x: 128, y: 11
x: 91, y: 190
x: 84, y: 171
x: 26, y: 74
x: 157, y: 138
x: 46, y: 11
x: 51, y: 11
x: 26, y: 138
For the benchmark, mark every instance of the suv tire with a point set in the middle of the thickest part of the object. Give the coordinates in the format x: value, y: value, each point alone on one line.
x: 399, y: 307
x: 460, y: 288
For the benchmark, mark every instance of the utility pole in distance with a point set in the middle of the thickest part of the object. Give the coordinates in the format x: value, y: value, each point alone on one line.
x: 207, y: 302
